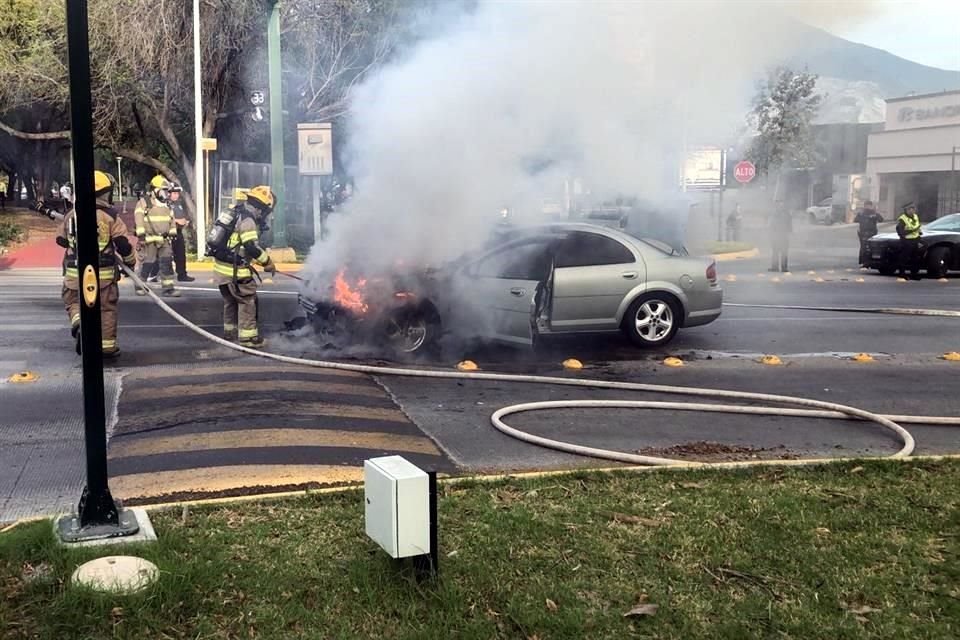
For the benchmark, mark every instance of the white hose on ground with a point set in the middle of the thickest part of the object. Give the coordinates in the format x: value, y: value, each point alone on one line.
x: 814, y: 408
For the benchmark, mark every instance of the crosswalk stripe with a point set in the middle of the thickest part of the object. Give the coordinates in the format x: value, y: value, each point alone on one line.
x: 168, y: 418
x: 216, y: 479
x: 265, y: 438
x: 182, y: 391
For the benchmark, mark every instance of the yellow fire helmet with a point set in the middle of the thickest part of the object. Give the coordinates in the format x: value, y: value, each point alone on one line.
x: 262, y: 195
x: 102, y: 182
x: 159, y: 182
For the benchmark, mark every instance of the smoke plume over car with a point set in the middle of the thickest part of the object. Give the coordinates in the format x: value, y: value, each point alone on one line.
x: 497, y: 105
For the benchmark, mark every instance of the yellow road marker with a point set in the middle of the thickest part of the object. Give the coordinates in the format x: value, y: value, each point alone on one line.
x: 467, y: 365
x: 572, y: 363
x: 788, y: 273
x: 811, y: 273
x: 731, y: 278
x: 859, y: 280
x: 818, y: 279
x: 761, y: 275
x: 23, y: 376
x: 775, y: 279
x: 673, y: 362
x: 901, y: 279
x: 952, y: 356
x: 863, y: 357
x: 771, y: 360
x: 942, y: 280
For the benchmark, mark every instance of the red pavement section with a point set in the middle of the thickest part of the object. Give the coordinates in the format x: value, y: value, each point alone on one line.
x: 44, y: 253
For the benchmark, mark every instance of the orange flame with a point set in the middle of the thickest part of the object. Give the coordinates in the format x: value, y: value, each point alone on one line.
x: 347, y: 297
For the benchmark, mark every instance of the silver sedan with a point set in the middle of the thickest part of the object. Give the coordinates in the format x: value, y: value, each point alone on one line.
x: 560, y: 278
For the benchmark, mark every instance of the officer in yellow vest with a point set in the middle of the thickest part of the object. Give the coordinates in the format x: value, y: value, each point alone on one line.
x: 156, y: 228
x: 234, y: 270
x: 112, y: 240
x: 908, y: 228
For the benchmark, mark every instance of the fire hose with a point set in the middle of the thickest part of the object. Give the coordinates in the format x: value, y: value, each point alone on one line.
x: 810, y: 408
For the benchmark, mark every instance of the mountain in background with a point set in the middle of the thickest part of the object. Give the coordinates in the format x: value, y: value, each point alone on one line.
x: 830, y: 56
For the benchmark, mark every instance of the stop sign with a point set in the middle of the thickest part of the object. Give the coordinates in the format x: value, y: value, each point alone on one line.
x: 744, y: 171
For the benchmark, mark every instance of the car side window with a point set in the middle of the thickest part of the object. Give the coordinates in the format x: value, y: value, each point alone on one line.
x: 521, y: 262
x: 582, y: 249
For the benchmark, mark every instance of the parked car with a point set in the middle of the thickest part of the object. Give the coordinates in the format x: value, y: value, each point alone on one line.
x: 821, y: 213
x: 940, y: 240
x: 560, y: 278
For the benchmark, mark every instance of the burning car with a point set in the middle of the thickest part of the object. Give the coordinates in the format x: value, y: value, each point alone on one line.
x: 560, y: 278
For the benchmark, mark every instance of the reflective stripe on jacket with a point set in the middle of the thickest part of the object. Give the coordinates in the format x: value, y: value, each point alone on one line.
x: 911, y: 226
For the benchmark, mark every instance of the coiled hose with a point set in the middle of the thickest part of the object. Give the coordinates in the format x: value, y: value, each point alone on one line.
x: 809, y: 408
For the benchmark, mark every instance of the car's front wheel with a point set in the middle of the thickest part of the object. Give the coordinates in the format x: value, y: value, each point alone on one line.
x: 411, y: 330
x: 652, y: 320
x: 938, y: 262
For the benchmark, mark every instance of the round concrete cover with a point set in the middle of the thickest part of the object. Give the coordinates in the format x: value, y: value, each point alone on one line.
x: 116, y: 574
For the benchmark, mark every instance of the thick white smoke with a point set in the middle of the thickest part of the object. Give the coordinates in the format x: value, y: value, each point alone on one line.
x: 496, y: 108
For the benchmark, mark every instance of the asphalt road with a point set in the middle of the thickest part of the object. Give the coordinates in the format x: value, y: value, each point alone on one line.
x: 293, y: 427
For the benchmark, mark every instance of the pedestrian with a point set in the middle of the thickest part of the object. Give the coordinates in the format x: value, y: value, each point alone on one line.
x: 156, y: 228
x: 734, y: 224
x: 234, y: 267
x: 781, y: 226
x: 3, y: 197
x: 868, y: 218
x: 112, y: 239
x: 908, y: 228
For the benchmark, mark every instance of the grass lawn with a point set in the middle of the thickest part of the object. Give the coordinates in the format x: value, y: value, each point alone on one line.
x: 841, y: 551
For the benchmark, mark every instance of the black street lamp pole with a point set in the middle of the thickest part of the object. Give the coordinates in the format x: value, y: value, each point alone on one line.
x: 98, y: 515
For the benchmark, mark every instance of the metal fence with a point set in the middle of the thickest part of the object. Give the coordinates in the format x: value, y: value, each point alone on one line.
x: 234, y: 177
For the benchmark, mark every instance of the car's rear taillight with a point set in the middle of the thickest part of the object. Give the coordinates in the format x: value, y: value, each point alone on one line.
x: 712, y: 273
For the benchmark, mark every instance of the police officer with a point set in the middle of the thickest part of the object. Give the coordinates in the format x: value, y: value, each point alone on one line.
x: 868, y: 218
x: 112, y: 240
x: 234, y: 270
x: 908, y: 228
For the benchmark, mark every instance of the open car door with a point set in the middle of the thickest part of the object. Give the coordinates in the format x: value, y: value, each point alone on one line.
x: 497, y: 293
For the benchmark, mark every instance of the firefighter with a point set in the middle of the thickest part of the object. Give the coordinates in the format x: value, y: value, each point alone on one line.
x: 156, y: 228
x: 908, y: 228
x: 234, y: 267
x: 112, y: 240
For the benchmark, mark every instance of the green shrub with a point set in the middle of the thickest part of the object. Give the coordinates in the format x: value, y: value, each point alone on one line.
x: 10, y: 232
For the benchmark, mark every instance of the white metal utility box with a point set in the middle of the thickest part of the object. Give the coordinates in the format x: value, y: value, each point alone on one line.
x: 397, y: 506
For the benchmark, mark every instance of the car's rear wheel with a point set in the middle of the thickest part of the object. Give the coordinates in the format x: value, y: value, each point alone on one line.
x: 652, y: 320
x: 938, y: 262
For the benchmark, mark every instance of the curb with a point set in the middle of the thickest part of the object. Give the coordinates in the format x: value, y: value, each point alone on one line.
x: 736, y: 255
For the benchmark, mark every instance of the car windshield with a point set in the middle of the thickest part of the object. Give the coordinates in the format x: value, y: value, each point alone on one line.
x: 946, y: 223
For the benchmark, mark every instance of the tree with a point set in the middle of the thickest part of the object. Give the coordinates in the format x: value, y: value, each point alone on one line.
x: 782, y: 114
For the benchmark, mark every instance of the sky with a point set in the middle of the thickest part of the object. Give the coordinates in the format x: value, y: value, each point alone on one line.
x: 924, y: 31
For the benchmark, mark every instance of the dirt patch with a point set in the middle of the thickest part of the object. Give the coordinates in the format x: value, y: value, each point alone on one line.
x: 702, y: 451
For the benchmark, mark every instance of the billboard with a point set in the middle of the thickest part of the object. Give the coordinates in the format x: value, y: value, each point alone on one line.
x: 703, y: 168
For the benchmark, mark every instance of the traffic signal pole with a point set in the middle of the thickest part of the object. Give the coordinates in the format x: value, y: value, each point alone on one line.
x: 97, y: 514
x: 278, y: 183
